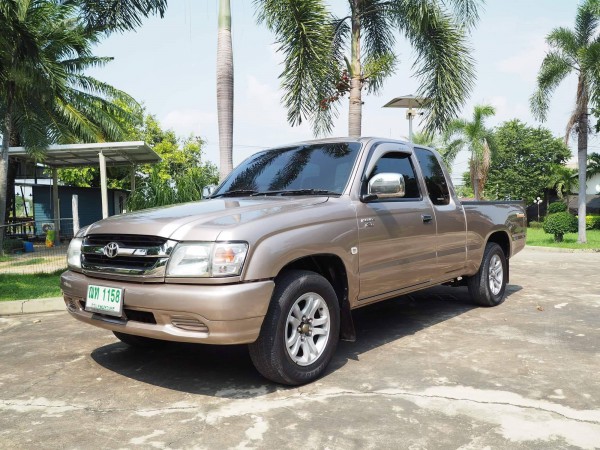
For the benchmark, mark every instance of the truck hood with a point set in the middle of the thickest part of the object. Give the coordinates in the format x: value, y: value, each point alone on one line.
x: 203, y: 220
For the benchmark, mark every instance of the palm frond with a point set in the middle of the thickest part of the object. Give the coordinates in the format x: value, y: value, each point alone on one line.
x: 593, y: 165
x: 377, y: 28
x: 480, y: 112
x: 443, y: 63
x: 304, y: 32
x: 118, y: 15
x: 553, y: 70
x: 450, y: 150
x: 377, y: 69
x: 466, y: 10
x: 590, y: 62
x: 586, y: 21
x: 564, y: 42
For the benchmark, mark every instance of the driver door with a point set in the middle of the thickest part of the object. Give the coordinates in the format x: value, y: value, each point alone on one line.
x: 397, y: 237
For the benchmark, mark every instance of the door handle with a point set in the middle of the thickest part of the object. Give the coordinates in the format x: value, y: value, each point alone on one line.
x: 427, y: 218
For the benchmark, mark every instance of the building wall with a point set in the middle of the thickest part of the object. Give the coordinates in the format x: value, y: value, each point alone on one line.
x: 89, y: 202
x: 593, y: 185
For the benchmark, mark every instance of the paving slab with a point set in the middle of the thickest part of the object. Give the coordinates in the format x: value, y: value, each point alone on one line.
x: 428, y: 371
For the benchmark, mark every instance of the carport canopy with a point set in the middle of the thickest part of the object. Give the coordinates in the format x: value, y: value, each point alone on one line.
x: 96, y: 154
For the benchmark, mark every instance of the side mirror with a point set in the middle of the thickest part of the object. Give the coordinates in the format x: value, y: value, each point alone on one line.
x: 207, y: 191
x: 387, y: 185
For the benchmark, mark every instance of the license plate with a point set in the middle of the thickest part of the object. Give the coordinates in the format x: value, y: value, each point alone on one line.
x: 104, y: 300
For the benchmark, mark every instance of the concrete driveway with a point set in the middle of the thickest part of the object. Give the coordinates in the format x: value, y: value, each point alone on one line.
x: 429, y: 371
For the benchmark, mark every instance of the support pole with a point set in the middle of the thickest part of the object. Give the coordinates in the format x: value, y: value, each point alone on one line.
x: 55, y: 206
x: 410, y: 114
x: 132, y: 179
x: 103, y: 188
x: 75, y: 209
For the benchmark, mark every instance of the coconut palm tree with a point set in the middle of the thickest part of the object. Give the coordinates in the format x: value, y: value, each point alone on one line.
x: 573, y: 51
x: 477, y: 139
x: 317, y: 72
x: 225, y: 89
x: 45, y: 95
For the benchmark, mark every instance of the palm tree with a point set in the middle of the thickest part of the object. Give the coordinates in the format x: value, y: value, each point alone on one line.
x: 225, y: 89
x: 426, y: 139
x: 593, y: 166
x: 573, y: 51
x: 45, y: 96
x: 477, y: 139
x: 564, y: 180
x: 317, y: 73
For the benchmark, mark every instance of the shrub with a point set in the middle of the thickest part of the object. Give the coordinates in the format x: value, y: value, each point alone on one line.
x: 556, y: 207
x: 559, y: 224
x: 592, y: 222
x: 534, y: 224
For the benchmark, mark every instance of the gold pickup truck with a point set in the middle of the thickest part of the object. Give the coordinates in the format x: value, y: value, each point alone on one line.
x: 285, y: 247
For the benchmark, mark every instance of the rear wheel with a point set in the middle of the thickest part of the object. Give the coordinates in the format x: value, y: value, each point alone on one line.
x: 301, y: 329
x: 488, y: 286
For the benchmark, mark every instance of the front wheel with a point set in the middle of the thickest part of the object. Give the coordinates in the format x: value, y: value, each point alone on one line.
x: 488, y: 286
x: 301, y: 329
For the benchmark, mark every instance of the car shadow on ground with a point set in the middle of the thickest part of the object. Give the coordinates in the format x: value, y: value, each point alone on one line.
x: 227, y: 371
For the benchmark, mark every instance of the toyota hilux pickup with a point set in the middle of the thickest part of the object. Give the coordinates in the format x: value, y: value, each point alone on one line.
x: 284, y: 249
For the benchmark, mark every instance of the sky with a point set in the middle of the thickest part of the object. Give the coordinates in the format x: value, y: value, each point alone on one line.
x: 169, y: 65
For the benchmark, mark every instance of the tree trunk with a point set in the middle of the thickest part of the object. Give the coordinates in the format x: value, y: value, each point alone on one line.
x: 474, y: 172
x: 582, y: 143
x: 13, y: 168
x: 225, y: 89
x: 4, y: 171
x: 11, y: 176
x: 7, y: 130
x: 355, y: 107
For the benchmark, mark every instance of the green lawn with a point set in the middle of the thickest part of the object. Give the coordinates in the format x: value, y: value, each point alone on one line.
x: 536, y: 237
x: 23, y: 287
x: 29, y: 262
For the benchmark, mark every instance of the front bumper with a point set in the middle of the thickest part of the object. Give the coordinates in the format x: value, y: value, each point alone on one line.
x: 210, y: 314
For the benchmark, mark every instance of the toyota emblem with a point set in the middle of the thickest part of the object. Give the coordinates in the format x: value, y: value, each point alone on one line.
x: 111, y: 249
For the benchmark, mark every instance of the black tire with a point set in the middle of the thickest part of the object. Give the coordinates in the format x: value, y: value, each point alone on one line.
x: 488, y: 286
x: 270, y: 354
x: 138, y: 341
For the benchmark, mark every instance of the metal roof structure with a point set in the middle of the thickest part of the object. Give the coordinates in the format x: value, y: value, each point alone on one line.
x: 98, y: 154
x: 78, y: 155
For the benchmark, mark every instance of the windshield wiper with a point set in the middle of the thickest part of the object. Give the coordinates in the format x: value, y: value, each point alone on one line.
x: 235, y: 193
x: 297, y: 192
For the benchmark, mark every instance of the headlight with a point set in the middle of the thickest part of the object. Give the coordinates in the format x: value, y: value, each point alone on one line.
x: 74, y: 253
x: 219, y: 259
x: 74, y: 250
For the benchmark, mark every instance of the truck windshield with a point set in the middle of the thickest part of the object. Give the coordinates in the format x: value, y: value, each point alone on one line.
x: 302, y: 170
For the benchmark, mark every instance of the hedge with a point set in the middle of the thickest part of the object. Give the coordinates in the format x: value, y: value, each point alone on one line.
x: 592, y: 222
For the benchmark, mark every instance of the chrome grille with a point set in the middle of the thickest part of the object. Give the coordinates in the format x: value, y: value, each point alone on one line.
x: 133, y: 255
x: 127, y: 240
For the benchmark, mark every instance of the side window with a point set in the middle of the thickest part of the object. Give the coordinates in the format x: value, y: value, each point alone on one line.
x: 396, y: 162
x: 434, y: 177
